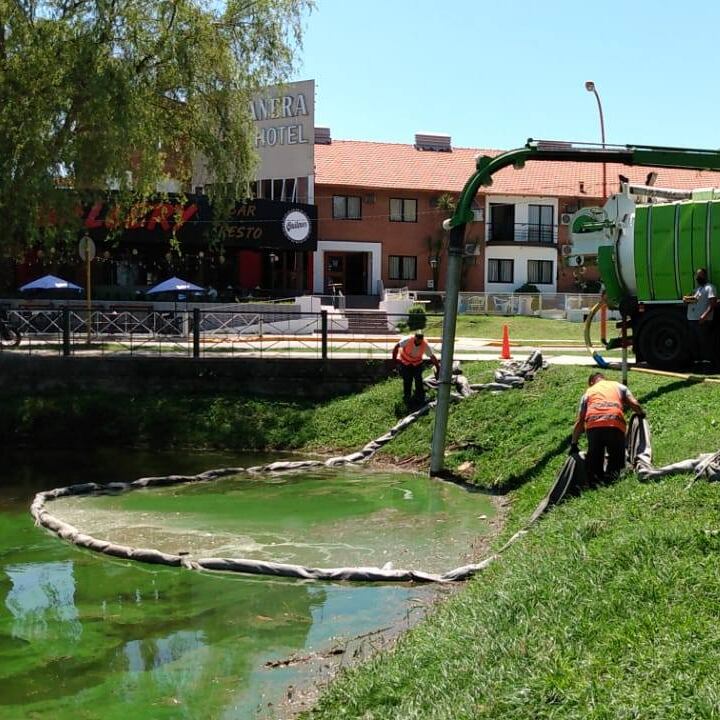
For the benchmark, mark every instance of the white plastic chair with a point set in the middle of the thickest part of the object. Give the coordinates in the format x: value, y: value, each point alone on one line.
x: 477, y: 305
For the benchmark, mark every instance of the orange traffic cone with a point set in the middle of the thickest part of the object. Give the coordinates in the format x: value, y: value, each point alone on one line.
x: 505, y: 352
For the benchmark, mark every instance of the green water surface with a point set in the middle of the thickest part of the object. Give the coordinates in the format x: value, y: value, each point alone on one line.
x: 86, y: 636
x: 327, y: 518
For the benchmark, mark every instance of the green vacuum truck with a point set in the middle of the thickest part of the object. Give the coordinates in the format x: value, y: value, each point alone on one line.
x: 647, y: 242
x: 647, y: 256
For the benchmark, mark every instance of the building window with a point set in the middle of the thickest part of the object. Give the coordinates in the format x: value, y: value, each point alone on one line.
x: 501, y: 271
x: 347, y: 207
x: 540, y: 272
x: 502, y: 222
x: 403, y: 210
x: 402, y: 267
x: 540, y: 223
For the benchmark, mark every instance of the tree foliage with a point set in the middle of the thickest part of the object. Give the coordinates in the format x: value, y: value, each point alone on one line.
x: 93, y: 90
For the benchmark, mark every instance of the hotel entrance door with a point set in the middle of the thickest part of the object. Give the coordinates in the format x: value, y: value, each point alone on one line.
x: 349, y: 270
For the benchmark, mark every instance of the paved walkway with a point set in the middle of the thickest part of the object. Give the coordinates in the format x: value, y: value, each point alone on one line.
x: 307, y: 347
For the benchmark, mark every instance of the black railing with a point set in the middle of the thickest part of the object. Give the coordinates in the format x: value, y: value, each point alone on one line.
x: 207, y: 332
x: 522, y: 232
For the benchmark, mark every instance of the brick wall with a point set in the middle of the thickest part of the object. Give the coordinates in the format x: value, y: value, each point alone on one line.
x: 411, y: 238
x: 268, y: 377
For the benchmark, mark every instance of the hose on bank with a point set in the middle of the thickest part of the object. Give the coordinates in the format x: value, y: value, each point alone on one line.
x: 571, y: 478
x: 512, y: 374
x: 594, y: 352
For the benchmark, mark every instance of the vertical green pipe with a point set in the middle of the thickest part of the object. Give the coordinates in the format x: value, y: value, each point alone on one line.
x: 452, y: 292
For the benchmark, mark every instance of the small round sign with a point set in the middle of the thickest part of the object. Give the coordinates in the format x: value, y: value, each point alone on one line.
x: 296, y: 226
x: 87, y: 249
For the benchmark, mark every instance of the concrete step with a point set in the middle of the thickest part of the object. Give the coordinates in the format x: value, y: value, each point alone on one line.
x: 369, y: 322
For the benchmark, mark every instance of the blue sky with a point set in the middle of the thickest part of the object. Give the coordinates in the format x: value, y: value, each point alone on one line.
x: 492, y: 74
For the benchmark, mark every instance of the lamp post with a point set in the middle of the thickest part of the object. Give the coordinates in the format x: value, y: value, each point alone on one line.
x: 434, y: 261
x: 590, y: 87
x: 273, y: 264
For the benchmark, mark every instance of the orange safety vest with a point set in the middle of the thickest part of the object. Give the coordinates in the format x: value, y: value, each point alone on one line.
x: 412, y: 354
x: 604, y: 407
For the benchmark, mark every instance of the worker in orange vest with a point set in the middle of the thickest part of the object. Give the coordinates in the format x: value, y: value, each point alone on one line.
x: 410, y: 354
x: 601, y: 416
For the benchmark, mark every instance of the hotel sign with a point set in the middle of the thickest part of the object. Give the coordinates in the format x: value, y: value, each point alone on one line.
x: 284, y: 119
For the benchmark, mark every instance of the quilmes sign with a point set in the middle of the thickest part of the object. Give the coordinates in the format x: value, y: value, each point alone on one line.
x: 284, y: 117
x: 268, y: 224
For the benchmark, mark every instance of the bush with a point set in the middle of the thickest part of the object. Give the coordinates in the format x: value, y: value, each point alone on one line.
x: 416, y: 318
x: 528, y: 288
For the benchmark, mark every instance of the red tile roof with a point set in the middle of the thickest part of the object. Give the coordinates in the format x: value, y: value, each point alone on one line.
x: 356, y: 163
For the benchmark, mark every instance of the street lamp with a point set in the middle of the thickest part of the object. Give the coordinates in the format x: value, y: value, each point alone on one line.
x: 434, y: 262
x: 590, y: 87
x: 273, y: 265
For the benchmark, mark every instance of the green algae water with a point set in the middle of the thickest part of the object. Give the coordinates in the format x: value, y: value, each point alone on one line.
x: 328, y: 518
x: 86, y: 636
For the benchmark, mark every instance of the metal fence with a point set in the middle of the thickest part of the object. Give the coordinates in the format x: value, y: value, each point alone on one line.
x: 237, y: 330
x: 201, y: 332
x: 549, y: 305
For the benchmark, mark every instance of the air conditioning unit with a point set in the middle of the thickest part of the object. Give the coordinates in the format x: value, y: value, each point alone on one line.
x: 369, y: 199
x: 566, y: 250
x: 565, y: 218
x: 478, y: 214
x: 578, y: 260
x: 472, y: 249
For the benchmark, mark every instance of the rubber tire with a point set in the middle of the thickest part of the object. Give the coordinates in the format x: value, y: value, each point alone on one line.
x: 664, y: 342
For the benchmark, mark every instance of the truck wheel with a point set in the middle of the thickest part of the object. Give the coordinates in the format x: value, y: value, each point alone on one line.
x: 664, y: 342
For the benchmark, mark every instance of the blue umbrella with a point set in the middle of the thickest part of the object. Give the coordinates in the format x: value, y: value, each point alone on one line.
x: 50, y: 282
x: 176, y: 285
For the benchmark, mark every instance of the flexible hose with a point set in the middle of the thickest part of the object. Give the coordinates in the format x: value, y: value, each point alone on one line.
x: 596, y: 356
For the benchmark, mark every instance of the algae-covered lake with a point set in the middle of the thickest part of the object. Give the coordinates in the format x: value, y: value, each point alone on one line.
x: 86, y: 636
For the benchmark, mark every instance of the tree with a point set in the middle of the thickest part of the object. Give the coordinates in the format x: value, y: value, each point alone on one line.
x: 95, y: 93
x: 437, y: 242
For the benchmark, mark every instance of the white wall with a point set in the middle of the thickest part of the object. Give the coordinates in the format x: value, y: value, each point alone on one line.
x: 520, y: 253
x: 374, y: 266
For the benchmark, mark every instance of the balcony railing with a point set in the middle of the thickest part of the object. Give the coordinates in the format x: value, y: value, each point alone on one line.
x: 523, y: 233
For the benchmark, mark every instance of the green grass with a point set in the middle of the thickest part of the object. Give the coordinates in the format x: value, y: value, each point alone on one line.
x: 519, y: 327
x: 608, y: 608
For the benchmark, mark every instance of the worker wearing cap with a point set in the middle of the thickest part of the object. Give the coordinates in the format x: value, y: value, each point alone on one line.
x: 601, y: 416
x: 410, y: 354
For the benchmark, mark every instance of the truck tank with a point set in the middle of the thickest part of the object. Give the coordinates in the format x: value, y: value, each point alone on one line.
x: 647, y: 257
x: 657, y: 257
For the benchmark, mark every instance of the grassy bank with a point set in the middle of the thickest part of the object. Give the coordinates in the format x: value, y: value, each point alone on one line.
x: 520, y: 328
x: 607, y: 609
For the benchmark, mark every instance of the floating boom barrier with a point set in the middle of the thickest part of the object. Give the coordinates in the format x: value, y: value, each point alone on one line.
x: 512, y: 375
